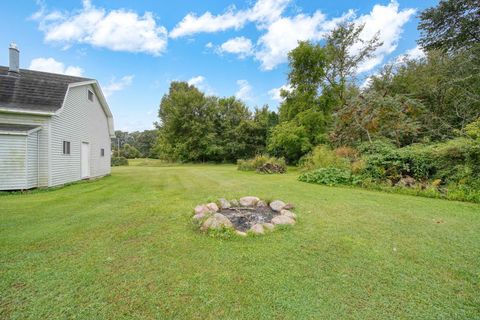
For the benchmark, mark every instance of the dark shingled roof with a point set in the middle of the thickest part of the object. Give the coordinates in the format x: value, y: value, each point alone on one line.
x: 34, y: 90
x: 16, y: 127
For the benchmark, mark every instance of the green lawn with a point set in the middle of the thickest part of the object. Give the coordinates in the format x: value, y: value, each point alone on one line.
x: 124, y: 247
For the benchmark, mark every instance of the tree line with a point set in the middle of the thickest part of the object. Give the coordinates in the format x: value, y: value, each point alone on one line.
x: 423, y: 100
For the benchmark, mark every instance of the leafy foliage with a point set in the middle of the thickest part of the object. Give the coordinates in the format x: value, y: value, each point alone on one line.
x: 290, y: 141
x: 451, y: 26
x: 143, y: 141
x: 199, y: 128
x: 372, y: 115
x: 263, y: 164
x: 330, y: 176
x: 445, y: 88
x: 128, y: 151
x: 322, y: 156
x: 119, y: 161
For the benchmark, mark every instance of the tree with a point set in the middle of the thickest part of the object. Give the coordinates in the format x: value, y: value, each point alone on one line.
x: 290, y: 141
x: 451, y: 26
x: 129, y: 152
x: 144, y: 142
x: 230, y: 114
x: 372, y: 115
x: 319, y: 77
x: 447, y: 85
x: 198, y: 128
x: 186, y: 130
x: 302, y: 104
x: 345, y: 51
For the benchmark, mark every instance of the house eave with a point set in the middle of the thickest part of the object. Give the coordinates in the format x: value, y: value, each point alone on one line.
x: 32, y: 112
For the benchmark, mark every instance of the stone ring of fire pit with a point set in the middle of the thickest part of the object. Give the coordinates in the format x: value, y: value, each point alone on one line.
x: 248, y: 214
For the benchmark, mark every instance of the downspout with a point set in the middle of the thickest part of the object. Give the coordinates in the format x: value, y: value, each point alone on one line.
x: 38, y: 159
x: 26, y: 163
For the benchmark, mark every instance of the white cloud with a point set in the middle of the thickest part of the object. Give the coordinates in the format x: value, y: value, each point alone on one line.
x: 388, y: 21
x: 118, y: 30
x: 201, y: 83
x: 264, y: 11
x: 240, y: 46
x: 415, y: 53
x: 244, y: 90
x: 275, y: 92
x: 196, y: 81
x: 282, y: 33
x: 115, y: 85
x: 283, y: 36
x: 54, y: 66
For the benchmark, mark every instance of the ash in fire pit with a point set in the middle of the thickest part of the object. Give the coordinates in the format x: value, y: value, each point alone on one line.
x: 249, y: 214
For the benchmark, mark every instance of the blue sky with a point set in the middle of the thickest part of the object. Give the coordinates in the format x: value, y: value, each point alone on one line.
x: 135, y: 48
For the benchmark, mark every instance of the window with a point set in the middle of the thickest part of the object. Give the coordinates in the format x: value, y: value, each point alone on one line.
x: 90, y: 95
x: 102, y: 152
x: 66, y: 147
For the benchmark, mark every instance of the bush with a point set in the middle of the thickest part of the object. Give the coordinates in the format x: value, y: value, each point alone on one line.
x: 323, y: 156
x: 330, y: 176
x: 289, y: 140
x: 263, y: 164
x: 119, y: 161
x: 346, y: 153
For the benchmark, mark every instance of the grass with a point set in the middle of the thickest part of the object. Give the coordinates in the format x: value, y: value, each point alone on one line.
x: 123, y: 247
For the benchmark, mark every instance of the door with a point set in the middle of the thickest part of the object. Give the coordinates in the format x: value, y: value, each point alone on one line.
x: 85, y: 160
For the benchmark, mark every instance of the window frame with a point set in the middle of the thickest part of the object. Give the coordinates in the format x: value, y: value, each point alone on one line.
x: 66, y: 147
x: 92, y: 95
x: 102, y: 152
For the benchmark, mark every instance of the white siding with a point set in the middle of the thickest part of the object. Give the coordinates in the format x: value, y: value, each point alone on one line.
x: 80, y: 121
x: 43, y: 137
x: 12, y: 161
x: 32, y: 160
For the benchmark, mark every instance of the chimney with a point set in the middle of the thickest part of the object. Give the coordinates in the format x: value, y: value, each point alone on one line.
x: 14, y: 58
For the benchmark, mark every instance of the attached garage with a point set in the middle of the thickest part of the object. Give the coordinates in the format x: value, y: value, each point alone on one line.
x: 18, y: 156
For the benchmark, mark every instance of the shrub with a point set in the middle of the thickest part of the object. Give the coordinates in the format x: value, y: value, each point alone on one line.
x: 346, y: 153
x: 289, y: 140
x: 322, y: 156
x: 119, y: 161
x: 330, y: 176
x: 263, y: 164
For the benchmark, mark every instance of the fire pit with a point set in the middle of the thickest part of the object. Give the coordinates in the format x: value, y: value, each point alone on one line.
x: 248, y: 214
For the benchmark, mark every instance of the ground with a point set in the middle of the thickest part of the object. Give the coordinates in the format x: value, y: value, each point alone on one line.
x: 124, y: 247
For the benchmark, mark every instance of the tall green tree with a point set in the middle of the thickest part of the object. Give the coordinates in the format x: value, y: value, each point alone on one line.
x: 447, y: 85
x: 453, y: 25
x: 186, y: 130
x: 345, y: 51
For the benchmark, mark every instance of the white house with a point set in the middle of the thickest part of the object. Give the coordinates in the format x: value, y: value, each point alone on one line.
x: 54, y: 128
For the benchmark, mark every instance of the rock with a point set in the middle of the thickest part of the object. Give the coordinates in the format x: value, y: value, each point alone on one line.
x: 257, y: 229
x: 277, y: 205
x: 282, y: 219
x: 212, y: 206
x: 289, y: 206
x: 248, y: 201
x: 199, y: 216
x: 406, y: 181
x: 217, y: 221
x: 262, y: 204
x: 288, y: 214
x: 224, y: 204
x: 234, y: 203
x: 201, y: 208
x: 241, y: 233
x: 268, y: 226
